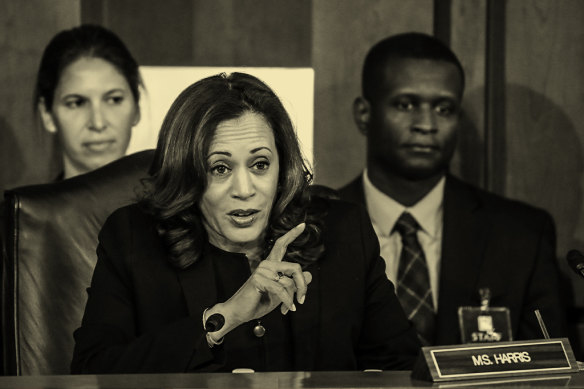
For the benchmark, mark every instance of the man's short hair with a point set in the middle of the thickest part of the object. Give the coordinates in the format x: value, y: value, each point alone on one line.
x: 411, y: 45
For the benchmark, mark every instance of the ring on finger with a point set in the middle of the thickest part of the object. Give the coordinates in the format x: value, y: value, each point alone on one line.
x: 279, y: 276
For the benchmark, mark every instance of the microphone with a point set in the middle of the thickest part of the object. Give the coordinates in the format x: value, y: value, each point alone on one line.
x: 576, y: 261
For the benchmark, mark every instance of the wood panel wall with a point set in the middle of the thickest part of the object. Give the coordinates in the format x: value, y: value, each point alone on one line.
x: 209, y: 33
x: 27, y: 152
x: 468, y: 39
x: 544, y: 137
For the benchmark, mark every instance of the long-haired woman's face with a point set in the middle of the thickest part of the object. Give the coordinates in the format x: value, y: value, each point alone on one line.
x: 93, y: 114
x: 242, y: 173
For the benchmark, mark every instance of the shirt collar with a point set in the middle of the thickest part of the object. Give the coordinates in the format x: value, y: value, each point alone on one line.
x: 384, y: 211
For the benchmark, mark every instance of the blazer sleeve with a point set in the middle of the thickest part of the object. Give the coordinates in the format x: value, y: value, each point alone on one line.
x: 108, y: 342
x: 388, y: 340
x: 544, y: 287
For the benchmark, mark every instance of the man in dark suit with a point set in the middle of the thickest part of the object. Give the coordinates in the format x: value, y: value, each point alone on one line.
x: 469, y: 247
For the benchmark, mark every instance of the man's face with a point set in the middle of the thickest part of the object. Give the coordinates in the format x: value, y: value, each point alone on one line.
x: 412, y: 121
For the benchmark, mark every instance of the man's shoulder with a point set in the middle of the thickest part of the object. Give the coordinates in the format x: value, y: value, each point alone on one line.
x: 337, y: 212
x: 331, y: 200
x: 493, y: 203
x: 353, y: 191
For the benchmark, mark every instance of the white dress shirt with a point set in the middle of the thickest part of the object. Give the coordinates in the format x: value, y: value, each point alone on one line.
x: 384, y: 212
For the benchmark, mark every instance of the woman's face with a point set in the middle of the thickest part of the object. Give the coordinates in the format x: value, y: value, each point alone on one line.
x: 93, y: 114
x: 242, y: 173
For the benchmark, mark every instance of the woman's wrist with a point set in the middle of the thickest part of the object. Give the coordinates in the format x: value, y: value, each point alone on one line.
x: 212, y: 322
x: 211, y: 341
x: 229, y: 320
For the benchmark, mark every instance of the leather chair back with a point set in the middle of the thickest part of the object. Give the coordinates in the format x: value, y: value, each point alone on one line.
x: 51, y: 237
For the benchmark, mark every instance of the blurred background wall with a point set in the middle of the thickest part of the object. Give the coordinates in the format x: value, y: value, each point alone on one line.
x: 522, y: 135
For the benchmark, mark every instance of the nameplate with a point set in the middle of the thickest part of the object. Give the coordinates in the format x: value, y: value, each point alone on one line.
x: 493, y: 360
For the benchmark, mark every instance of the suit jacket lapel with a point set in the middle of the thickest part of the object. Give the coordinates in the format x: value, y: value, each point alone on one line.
x: 305, y: 325
x: 463, y: 246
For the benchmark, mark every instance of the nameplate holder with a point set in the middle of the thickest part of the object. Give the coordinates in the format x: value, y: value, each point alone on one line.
x: 495, y: 360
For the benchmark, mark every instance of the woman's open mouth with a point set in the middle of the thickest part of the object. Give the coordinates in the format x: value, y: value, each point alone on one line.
x: 243, y: 217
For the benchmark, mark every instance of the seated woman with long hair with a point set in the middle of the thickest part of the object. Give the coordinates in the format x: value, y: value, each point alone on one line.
x: 233, y: 260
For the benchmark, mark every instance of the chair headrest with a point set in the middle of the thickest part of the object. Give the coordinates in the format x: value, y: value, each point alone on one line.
x: 51, y: 239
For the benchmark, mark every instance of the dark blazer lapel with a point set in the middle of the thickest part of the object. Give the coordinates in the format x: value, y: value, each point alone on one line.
x: 305, y: 325
x: 199, y: 286
x: 464, y: 240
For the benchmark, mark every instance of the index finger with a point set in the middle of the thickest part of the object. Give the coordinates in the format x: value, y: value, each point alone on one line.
x: 282, y: 243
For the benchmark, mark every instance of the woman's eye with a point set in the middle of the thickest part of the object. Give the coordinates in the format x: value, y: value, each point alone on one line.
x: 261, y: 165
x: 219, y: 170
x: 74, y: 103
x: 115, y: 99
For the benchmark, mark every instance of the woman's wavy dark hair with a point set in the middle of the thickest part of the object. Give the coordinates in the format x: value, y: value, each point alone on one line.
x: 179, y: 169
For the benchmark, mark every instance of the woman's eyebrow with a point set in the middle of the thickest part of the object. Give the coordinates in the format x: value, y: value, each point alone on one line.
x: 226, y: 153
x: 72, y: 95
x: 253, y: 151
x: 115, y: 90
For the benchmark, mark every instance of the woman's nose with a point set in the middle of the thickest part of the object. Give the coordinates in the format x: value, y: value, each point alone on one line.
x: 97, y: 120
x: 243, y: 186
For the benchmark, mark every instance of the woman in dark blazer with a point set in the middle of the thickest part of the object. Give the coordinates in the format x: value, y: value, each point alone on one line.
x: 229, y: 229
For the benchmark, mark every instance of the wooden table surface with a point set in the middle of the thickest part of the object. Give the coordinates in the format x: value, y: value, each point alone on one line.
x: 387, y: 379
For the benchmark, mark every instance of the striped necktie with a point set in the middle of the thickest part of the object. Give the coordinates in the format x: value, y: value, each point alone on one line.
x: 413, y: 282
